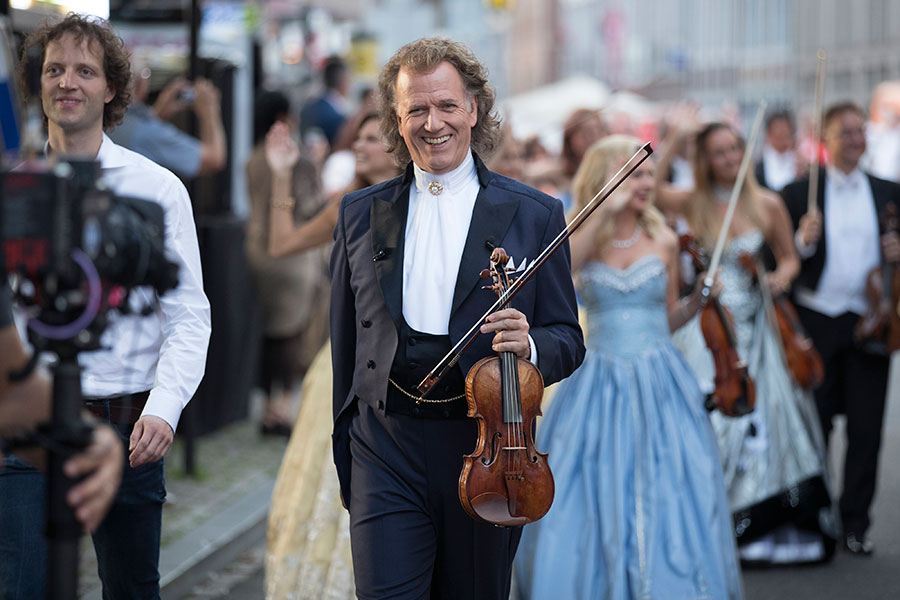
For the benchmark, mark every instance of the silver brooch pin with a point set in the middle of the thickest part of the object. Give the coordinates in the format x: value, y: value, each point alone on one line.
x: 435, y: 187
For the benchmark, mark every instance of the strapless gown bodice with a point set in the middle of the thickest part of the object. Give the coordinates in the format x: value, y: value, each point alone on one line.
x: 625, y: 307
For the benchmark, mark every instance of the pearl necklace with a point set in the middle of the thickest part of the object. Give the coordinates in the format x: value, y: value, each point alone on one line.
x: 630, y: 241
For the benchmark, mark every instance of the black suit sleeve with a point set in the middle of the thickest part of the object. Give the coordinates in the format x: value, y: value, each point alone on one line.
x: 342, y: 318
x: 554, y: 327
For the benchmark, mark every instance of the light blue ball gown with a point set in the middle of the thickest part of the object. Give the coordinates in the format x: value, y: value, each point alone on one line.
x: 640, y: 508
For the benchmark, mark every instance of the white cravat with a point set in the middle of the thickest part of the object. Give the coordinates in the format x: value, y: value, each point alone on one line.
x: 851, y: 234
x: 780, y: 167
x: 440, y: 211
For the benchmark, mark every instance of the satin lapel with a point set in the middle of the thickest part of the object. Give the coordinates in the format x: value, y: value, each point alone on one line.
x: 491, y: 218
x: 388, y: 222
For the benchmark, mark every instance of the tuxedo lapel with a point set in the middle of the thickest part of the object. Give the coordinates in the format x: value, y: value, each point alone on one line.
x: 491, y: 217
x: 388, y: 223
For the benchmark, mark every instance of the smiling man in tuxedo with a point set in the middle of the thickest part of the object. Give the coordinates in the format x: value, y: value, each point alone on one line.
x: 405, y: 288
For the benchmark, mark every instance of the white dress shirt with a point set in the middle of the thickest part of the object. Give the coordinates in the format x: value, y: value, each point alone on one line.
x: 851, y: 235
x: 780, y: 167
x: 164, y: 352
x: 436, y: 231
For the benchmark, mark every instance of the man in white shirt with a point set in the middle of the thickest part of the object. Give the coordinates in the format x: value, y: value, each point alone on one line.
x: 149, y: 367
x: 839, y: 244
x: 406, y: 287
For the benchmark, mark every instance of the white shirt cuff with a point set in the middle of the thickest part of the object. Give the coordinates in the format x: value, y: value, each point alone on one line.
x: 802, y: 249
x: 166, y: 407
x: 534, y: 356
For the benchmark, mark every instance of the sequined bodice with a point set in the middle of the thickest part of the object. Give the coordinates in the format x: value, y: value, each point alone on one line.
x: 740, y: 294
x: 626, y: 308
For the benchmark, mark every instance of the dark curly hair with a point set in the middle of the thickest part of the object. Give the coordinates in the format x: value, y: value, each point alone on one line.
x: 424, y: 56
x: 101, y: 38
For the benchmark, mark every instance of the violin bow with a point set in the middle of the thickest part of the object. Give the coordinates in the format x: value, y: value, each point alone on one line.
x: 732, y: 201
x: 452, y: 357
x: 811, y: 203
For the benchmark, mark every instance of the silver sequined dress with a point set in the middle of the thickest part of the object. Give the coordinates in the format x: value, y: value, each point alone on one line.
x: 774, y: 458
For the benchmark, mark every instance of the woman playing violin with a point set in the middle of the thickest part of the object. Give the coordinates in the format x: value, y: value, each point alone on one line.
x: 774, y: 456
x: 640, y: 508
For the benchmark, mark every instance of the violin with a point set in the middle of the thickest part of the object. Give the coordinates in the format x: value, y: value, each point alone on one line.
x: 800, y: 355
x: 735, y: 392
x: 505, y: 481
x: 879, y: 328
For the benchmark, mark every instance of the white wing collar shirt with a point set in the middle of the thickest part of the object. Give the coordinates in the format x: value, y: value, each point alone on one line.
x: 851, y: 235
x: 437, y: 224
x: 164, y: 352
x: 440, y: 211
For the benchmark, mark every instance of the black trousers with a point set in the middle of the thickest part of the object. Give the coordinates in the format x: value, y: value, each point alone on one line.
x: 410, y: 537
x: 855, y: 385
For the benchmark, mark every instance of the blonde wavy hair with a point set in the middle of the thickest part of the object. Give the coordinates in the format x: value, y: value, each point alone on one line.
x: 600, y: 163
x: 701, y: 211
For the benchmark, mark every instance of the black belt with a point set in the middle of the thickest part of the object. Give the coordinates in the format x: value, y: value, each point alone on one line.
x: 120, y: 410
x: 402, y: 402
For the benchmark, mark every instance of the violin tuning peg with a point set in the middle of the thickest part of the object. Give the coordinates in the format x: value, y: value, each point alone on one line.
x: 485, y: 274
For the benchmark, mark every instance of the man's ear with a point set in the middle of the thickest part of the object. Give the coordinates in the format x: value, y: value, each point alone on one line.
x: 110, y: 94
x: 473, y: 113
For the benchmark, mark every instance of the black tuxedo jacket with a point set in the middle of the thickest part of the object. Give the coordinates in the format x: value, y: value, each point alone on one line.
x: 795, y: 197
x: 367, y: 286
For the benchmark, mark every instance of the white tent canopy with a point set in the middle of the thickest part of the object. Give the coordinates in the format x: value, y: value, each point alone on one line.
x: 543, y: 111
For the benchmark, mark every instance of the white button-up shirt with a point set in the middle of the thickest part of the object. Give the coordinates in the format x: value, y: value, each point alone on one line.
x: 165, y: 351
x: 851, y: 235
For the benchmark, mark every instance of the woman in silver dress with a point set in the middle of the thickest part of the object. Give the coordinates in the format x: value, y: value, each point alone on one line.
x: 774, y: 457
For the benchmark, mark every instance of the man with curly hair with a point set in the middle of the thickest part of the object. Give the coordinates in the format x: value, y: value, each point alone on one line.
x: 148, y: 367
x: 406, y: 287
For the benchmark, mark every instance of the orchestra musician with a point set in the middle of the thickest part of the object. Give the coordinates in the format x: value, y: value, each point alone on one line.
x: 839, y: 244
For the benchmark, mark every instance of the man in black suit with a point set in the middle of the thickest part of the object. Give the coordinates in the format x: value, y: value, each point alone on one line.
x: 405, y: 288
x: 839, y: 244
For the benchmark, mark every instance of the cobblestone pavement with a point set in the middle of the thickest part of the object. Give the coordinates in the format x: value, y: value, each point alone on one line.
x: 230, y: 463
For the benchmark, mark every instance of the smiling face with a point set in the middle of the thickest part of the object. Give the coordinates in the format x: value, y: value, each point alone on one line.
x: 640, y: 187
x: 435, y: 117
x: 73, y: 86
x: 845, y: 139
x: 723, y: 150
x: 373, y: 163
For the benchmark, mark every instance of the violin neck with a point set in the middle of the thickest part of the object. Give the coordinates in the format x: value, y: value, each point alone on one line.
x: 726, y: 324
x: 512, y: 401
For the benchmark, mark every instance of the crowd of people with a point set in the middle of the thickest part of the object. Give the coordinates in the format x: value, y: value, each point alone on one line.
x: 659, y: 492
x: 676, y: 498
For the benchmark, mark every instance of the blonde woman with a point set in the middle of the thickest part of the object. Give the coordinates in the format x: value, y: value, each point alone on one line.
x: 640, y: 508
x: 774, y: 457
x: 308, y: 553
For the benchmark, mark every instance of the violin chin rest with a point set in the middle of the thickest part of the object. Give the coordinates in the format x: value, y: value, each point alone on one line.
x: 494, y: 508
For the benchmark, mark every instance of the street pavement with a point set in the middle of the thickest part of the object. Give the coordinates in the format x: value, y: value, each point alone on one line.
x: 212, y: 518
x: 847, y: 576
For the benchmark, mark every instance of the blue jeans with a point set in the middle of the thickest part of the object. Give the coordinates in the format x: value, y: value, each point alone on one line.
x: 126, y: 543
